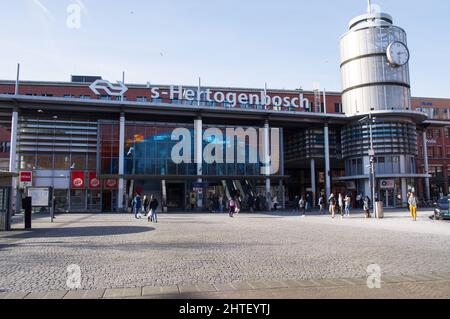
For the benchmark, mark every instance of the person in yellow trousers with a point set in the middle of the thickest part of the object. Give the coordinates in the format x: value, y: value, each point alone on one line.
x: 412, y: 201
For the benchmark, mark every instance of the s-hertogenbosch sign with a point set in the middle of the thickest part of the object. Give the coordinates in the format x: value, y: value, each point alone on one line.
x: 207, y: 95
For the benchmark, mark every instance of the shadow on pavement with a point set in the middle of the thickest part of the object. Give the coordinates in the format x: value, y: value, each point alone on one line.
x: 81, y: 232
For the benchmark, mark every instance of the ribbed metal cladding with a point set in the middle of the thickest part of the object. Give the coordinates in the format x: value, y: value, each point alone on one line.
x: 57, y: 135
x: 389, y: 138
x: 369, y: 82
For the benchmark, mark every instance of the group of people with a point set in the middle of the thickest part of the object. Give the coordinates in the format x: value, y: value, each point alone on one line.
x: 147, y: 206
x: 340, y: 205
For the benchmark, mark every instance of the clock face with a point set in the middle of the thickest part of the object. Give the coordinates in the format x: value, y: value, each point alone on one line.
x: 397, y: 54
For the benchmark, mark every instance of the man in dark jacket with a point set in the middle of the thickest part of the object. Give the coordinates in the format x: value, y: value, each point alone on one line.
x: 153, y: 216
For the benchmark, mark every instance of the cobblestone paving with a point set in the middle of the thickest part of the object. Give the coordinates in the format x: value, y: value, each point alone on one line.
x: 117, y: 251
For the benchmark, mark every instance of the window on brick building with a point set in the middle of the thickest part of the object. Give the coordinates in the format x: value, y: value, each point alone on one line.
x: 447, y: 132
x: 448, y: 152
x: 338, y: 107
x: 431, y: 152
x: 430, y: 133
x: 5, y: 147
x: 439, y: 152
x: 438, y: 132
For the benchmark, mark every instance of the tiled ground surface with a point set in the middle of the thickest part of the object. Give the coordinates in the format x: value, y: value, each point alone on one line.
x: 194, y: 253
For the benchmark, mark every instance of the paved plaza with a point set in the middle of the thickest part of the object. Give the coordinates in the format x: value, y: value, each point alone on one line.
x: 215, y: 251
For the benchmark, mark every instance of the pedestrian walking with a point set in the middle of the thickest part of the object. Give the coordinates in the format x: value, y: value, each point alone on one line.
x: 275, y: 204
x: 348, y: 203
x: 221, y: 205
x: 137, y: 205
x: 193, y: 203
x: 146, y: 205
x: 332, y: 203
x: 153, y: 215
x: 231, y: 207
x: 412, y: 202
x: 296, y: 201
x: 238, y: 206
x: 302, y: 206
x: 251, y: 203
x: 307, y: 203
x: 341, y: 205
x: 321, y: 205
x: 366, y: 206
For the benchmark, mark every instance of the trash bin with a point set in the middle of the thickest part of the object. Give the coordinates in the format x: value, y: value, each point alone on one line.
x: 28, y: 210
x: 379, y: 210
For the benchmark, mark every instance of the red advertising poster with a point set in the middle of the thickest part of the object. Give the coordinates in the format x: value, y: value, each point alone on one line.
x: 77, y: 180
x: 94, y: 181
x: 110, y: 184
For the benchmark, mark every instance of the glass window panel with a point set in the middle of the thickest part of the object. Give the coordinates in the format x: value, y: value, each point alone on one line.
x: 78, y: 162
x: 62, y: 162
x: 45, y: 162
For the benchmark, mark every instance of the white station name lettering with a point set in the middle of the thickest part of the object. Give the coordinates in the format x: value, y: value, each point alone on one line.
x: 231, y: 98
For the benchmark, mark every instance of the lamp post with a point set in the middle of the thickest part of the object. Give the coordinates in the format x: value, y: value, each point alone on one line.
x: 372, y: 178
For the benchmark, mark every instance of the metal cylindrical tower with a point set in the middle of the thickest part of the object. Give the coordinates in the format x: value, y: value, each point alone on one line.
x: 381, y: 141
x: 374, y: 66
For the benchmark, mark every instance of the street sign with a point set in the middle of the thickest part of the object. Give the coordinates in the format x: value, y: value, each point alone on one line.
x: 26, y: 179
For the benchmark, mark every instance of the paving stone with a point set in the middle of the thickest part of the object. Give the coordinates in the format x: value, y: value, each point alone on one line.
x: 291, y: 283
x: 206, y: 288
x: 224, y: 287
x: 275, y: 284
x: 123, y: 293
x: 188, y: 289
x: 75, y: 294
x: 258, y: 285
x: 241, y: 286
x: 421, y: 277
x: 330, y: 283
x: 356, y: 281
x: 94, y: 294
x: 55, y: 295
x: 36, y: 295
x: 307, y: 283
x: 16, y: 295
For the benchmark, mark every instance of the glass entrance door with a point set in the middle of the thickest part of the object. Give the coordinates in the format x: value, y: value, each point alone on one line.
x: 388, y: 198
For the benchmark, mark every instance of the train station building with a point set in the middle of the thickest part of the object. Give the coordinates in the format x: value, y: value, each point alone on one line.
x: 96, y: 143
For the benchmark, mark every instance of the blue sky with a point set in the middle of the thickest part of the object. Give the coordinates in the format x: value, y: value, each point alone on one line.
x: 243, y: 43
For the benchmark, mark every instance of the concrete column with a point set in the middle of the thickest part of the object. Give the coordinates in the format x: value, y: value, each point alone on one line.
x: 267, y: 163
x: 121, y: 189
x: 13, y: 159
x: 313, y: 181
x: 327, y: 162
x: 198, y: 151
x: 426, y: 164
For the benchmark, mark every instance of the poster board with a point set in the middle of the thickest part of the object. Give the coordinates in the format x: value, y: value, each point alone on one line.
x: 40, y: 196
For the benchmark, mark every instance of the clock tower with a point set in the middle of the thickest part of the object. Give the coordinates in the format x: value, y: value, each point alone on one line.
x: 374, y: 66
x: 380, y: 144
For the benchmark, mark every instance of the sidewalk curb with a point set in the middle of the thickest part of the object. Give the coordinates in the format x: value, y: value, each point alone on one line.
x: 178, y: 291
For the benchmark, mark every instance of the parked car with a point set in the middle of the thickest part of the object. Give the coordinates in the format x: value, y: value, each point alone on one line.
x: 441, y: 210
